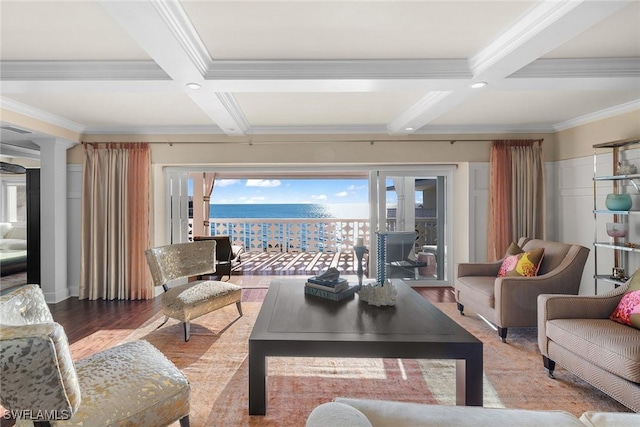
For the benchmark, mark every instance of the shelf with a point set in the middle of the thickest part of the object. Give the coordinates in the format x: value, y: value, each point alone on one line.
x: 616, y: 177
x: 609, y: 279
x: 607, y: 211
x: 616, y: 247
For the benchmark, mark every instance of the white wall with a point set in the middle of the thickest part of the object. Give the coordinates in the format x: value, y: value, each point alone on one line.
x: 74, y: 227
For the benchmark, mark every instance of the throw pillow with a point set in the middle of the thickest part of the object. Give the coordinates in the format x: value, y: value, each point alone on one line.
x: 628, y: 310
x: 525, y: 264
x: 513, y: 249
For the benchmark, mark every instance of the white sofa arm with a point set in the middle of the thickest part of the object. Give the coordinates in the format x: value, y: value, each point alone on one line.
x: 337, y: 414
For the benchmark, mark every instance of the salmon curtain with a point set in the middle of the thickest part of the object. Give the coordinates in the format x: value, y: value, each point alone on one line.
x: 115, y: 222
x: 516, y: 194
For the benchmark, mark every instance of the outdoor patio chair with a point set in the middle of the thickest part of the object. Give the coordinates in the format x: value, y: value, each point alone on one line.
x: 227, y: 255
x: 182, y: 261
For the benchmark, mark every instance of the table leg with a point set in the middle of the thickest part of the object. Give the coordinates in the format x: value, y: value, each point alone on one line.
x: 257, y: 382
x: 469, y: 380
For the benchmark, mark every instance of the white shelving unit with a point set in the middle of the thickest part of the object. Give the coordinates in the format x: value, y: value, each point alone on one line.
x: 618, y: 248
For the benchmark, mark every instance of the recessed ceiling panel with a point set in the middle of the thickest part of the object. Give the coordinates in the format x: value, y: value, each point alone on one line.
x: 120, y: 110
x: 318, y: 109
x: 350, y: 29
x: 533, y: 107
x: 615, y: 36
x: 63, y: 30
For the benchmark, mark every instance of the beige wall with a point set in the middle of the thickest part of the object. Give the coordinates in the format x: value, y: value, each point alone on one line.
x: 579, y: 141
x: 35, y: 125
x: 315, y: 149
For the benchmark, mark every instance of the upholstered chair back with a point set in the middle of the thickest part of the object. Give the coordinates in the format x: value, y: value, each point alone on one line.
x: 181, y: 260
x: 554, y: 253
x: 37, y: 374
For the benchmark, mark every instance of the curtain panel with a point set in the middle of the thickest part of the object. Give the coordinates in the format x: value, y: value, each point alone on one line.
x: 115, y: 222
x: 516, y: 194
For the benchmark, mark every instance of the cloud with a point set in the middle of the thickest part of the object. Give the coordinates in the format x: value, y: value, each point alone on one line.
x: 225, y: 182
x: 319, y: 197
x: 255, y: 199
x: 356, y: 187
x: 342, y: 194
x: 263, y: 183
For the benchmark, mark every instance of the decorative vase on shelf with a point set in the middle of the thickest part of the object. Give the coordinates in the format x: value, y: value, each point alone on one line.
x: 618, y: 202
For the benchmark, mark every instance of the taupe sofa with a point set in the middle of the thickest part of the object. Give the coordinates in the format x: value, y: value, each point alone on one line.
x: 511, y: 301
x: 575, y: 332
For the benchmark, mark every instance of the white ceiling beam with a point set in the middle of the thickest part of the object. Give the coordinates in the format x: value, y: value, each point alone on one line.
x: 546, y: 26
x: 164, y: 31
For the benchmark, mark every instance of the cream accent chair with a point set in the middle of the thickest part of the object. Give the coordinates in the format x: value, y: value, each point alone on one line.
x: 510, y: 302
x: 132, y: 384
x: 193, y: 299
x: 575, y: 331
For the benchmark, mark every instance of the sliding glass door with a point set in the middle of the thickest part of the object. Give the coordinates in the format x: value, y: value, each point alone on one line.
x: 418, y: 201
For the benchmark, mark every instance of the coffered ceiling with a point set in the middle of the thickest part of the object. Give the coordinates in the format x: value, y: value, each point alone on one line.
x: 311, y: 67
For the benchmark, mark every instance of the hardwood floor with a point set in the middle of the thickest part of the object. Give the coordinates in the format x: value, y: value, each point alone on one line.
x: 112, y: 319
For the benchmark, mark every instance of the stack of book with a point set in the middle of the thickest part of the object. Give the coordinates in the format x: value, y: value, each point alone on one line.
x: 336, y: 290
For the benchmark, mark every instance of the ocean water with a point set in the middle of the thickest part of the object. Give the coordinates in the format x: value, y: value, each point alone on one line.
x: 290, y: 211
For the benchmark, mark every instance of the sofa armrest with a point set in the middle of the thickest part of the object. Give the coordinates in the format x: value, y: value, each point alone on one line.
x: 479, y: 269
x: 552, y: 307
x: 336, y: 414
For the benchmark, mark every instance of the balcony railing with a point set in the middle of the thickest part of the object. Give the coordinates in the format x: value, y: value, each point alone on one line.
x: 308, y: 234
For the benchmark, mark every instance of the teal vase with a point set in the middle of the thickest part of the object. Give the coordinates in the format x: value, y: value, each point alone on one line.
x: 618, y: 202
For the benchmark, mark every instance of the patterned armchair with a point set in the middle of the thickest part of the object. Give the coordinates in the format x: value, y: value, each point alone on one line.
x: 193, y: 299
x: 129, y: 384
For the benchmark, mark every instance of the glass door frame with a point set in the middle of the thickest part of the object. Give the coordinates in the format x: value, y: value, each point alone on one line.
x: 377, y: 196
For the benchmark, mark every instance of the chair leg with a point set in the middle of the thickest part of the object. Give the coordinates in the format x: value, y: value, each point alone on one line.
x: 549, y: 365
x: 166, y: 318
x: 503, y: 334
x: 187, y: 331
x: 184, y: 421
x: 461, y: 308
x: 239, y: 308
x: 41, y: 424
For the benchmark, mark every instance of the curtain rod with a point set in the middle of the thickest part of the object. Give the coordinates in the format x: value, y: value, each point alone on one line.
x: 370, y: 141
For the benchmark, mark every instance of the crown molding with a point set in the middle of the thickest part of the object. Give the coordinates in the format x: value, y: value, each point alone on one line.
x: 177, y: 20
x: 598, y: 115
x: 320, y: 130
x: 44, y: 116
x: 536, y: 20
x: 482, y: 129
x: 154, y: 130
x: 580, y: 68
x: 81, y: 70
x: 230, y: 103
x: 339, y: 69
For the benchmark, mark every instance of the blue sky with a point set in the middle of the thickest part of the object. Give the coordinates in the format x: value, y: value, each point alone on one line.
x: 325, y: 191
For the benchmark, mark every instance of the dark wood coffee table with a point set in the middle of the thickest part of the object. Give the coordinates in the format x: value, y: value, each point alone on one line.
x: 292, y: 324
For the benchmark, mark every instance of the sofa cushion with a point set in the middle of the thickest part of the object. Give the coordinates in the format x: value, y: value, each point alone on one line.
x: 525, y: 264
x: 17, y: 232
x: 606, y: 419
x: 602, y: 342
x: 478, y: 288
x: 403, y: 414
x: 13, y: 244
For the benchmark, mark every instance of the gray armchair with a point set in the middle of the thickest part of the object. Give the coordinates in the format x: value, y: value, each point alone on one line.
x: 512, y: 301
x: 576, y: 332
